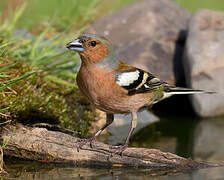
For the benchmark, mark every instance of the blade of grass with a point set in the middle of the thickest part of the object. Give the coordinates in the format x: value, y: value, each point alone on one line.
x: 58, y: 64
x: 16, y: 15
x: 47, y: 60
x: 6, y: 44
x: 6, y: 68
x: 37, y: 43
x: 5, y: 143
x: 3, y: 109
x: 60, y: 81
x: 67, y: 75
x: 17, y: 79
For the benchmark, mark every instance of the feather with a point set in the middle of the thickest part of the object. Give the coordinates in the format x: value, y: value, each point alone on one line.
x: 137, y: 81
x: 125, y: 79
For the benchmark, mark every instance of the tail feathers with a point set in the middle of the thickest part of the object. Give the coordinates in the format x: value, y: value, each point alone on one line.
x: 171, y: 90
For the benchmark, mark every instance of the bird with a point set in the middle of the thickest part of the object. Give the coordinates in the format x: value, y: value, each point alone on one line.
x: 115, y: 87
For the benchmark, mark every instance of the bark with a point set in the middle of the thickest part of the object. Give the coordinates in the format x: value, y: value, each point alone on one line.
x: 40, y: 144
x: 2, y: 172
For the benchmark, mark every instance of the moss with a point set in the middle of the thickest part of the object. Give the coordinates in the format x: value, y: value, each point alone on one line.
x: 38, y: 100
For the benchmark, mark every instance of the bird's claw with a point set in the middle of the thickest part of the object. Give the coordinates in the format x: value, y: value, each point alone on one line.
x: 118, y: 150
x: 82, y: 142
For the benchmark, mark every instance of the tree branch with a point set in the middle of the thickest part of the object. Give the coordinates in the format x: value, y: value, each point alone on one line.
x: 42, y: 145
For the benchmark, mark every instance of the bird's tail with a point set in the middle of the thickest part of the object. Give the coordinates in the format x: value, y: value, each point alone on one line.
x: 172, y: 90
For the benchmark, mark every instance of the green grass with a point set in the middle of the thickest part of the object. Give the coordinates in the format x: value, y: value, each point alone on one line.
x: 36, y: 72
x: 59, y: 14
x: 43, y: 54
x: 36, y: 98
x: 69, y: 15
x: 54, y: 22
x: 8, y: 83
x: 193, y: 5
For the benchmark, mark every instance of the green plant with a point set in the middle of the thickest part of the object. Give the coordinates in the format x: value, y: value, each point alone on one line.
x: 2, y: 147
x: 6, y: 142
x: 46, y: 95
x: 7, y: 83
x: 43, y: 54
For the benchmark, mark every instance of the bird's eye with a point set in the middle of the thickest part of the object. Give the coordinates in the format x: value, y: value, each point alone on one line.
x: 93, y: 43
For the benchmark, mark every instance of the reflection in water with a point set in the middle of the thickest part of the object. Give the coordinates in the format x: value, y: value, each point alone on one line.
x: 209, y: 140
x: 200, y: 140
x: 34, y: 171
x: 175, y: 135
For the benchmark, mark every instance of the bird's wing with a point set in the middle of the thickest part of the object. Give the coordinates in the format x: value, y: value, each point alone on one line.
x: 136, y: 80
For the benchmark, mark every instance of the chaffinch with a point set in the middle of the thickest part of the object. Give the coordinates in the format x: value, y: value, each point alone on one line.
x: 115, y: 87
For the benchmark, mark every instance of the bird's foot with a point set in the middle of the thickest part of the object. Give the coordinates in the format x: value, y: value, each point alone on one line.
x: 118, y: 150
x: 82, y: 142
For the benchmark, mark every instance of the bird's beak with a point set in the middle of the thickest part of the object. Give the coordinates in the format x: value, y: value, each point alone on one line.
x: 75, y: 45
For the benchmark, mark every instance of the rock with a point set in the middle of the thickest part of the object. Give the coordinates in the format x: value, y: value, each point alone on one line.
x: 22, y: 33
x: 204, y: 61
x: 148, y: 34
x: 120, y: 127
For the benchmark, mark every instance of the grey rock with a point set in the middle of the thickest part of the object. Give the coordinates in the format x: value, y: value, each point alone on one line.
x: 145, y: 35
x: 22, y: 33
x: 204, y: 61
x: 120, y: 127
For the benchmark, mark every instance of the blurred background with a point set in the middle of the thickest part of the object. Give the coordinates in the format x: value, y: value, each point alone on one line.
x: 37, y: 75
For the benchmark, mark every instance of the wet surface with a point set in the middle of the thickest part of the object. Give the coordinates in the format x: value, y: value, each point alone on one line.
x: 201, y: 140
x: 34, y: 171
x: 188, y: 137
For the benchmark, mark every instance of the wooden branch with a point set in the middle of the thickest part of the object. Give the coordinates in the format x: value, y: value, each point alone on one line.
x: 42, y: 145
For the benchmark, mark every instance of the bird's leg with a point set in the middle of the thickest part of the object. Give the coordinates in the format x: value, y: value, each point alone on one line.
x: 109, y: 120
x: 121, y: 148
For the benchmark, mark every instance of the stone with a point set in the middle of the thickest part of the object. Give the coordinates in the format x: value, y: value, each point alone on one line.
x: 148, y: 34
x: 204, y: 61
x: 22, y: 33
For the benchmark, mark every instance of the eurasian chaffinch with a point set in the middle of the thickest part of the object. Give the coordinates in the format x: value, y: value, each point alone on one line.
x: 115, y: 87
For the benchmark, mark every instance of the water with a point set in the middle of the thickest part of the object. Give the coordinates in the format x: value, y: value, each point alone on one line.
x: 185, y: 136
x: 66, y: 173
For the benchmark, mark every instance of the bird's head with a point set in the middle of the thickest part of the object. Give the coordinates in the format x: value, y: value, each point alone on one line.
x: 92, y: 48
